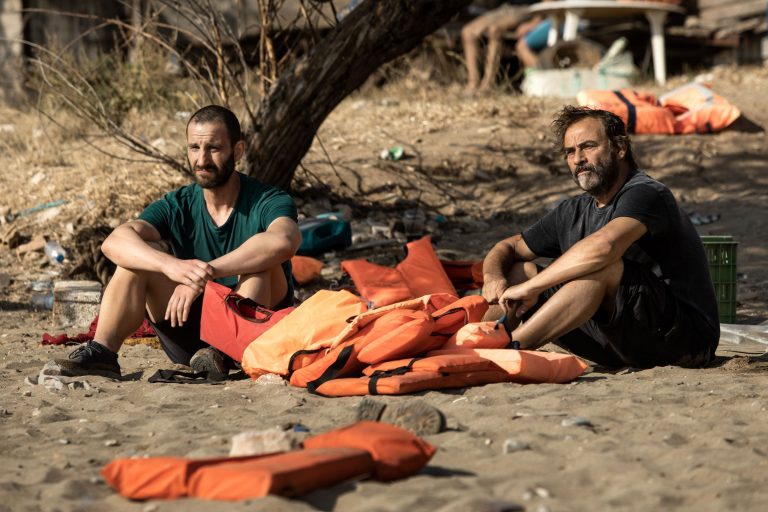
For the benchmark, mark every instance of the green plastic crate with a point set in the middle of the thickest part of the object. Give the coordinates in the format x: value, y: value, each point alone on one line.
x: 721, y: 255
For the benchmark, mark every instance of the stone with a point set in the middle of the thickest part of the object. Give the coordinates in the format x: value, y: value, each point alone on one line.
x: 512, y: 446
x: 76, y: 303
x: 111, y: 442
x: 576, y: 421
x: 260, y: 442
x: 271, y: 379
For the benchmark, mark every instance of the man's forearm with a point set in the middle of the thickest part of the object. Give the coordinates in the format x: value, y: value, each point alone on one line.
x: 125, y: 248
x: 257, y: 254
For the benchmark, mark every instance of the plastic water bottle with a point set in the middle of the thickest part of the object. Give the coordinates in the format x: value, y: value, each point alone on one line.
x: 43, y: 301
x: 55, y: 252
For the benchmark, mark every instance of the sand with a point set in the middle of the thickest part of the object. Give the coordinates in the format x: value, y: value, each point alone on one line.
x: 659, y: 439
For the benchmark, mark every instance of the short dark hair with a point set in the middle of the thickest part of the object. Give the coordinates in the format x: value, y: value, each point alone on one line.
x: 615, y: 129
x: 218, y: 114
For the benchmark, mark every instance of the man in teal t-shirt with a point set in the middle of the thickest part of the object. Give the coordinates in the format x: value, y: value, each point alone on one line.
x: 226, y: 226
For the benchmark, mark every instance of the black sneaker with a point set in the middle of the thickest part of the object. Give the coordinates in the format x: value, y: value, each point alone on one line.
x: 212, y: 362
x: 91, y: 358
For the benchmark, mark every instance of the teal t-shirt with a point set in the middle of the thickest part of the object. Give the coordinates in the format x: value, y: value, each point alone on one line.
x: 182, y: 219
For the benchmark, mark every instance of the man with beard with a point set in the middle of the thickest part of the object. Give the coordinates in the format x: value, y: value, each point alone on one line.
x: 629, y: 284
x: 226, y: 226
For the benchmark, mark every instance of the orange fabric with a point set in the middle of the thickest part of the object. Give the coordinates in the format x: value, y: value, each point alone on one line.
x: 477, y: 273
x: 699, y: 109
x: 396, y: 452
x: 479, y: 335
x: 446, y: 363
x: 454, y: 316
x: 462, y: 273
x: 156, y: 477
x: 312, y: 326
x: 420, y: 273
x: 285, y: 474
x: 306, y: 269
x: 649, y: 117
x: 412, y: 382
x: 397, y: 333
x: 528, y: 366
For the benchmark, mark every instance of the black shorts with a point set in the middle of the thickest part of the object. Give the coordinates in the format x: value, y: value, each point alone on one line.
x: 181, y: 342
x: 649, y: 327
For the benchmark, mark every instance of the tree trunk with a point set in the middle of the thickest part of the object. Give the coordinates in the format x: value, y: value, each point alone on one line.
x: 375, y: 32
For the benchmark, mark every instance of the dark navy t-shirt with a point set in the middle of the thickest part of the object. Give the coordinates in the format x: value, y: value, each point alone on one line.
x: 671, y: 248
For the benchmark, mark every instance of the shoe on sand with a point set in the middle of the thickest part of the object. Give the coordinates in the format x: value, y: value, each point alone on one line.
x: 415, y: 415
x: 212, y: 362
x: 91, y: 358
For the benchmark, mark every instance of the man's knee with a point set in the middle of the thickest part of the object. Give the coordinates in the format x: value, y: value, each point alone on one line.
x: 522, y: 271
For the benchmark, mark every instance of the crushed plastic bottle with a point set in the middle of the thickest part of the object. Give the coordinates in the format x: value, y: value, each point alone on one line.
x: 55, y: 252
x: 43, y: 301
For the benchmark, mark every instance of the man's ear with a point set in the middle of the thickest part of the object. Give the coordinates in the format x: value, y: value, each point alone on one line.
x: 239, y: 150
x: 621, y: 151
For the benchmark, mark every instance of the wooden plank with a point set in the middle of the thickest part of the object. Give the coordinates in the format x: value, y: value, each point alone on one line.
x: 742, y: 9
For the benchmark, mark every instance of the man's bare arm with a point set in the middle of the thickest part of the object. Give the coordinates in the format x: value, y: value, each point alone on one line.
x: 262, y: 251
x: 129, y: 246
x: 593, y: 253
x: 498, y: 263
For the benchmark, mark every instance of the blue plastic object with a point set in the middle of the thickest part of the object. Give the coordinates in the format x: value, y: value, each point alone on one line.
x: 321, y: 235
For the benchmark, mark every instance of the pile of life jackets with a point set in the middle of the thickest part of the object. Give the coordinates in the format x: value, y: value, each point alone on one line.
x: 365, y: 449
x: 691, y: 108
x: 420, y: 337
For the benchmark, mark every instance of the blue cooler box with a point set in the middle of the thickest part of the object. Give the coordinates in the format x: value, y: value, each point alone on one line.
x: 321, y: 235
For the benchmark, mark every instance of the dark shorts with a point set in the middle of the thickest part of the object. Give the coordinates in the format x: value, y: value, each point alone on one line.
x: 649, y: 327
x: 181, y: 342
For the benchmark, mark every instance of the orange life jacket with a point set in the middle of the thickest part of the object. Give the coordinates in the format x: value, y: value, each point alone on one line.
x: 417, y: 374
x: 313, y: 325
x: 383, y: 451
x: 306, y: 269
x: 391, y: 332
x: 464, y: 274
x: 396, y: 453
x: 420, y: 273
x: 639, y: 111
x: 285, y: 474
x: 528, y: 366
x: 479, y: 335
x: 699, y: 110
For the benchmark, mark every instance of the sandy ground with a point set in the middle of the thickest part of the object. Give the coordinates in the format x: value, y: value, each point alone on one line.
x: 659, y: 439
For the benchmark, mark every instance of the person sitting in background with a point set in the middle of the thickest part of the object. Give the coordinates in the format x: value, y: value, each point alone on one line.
x: 531, y: 34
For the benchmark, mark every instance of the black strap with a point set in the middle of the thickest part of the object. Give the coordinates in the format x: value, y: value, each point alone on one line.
x: 296, y: 354
x: 450, y: 312
x: 373, y: 381
x: 631, y: 112
x: 332, y: 370
x: 181, y: 377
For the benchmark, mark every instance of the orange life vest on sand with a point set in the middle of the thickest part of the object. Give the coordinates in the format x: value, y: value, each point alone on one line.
x: 699, y: 110
x: 391, y: 332
x: 417, y: 374
x: 457, y: 368
x: 528, y: 366
x: 313, y: 325
x: 379, y: 450
x: 638, y: 110
x: 420, y: 273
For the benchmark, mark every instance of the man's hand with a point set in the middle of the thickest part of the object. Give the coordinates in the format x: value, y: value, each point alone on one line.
x: 192, y: 273
x: 179, y: 304
x: 518, y: 299
x: 493, y: 290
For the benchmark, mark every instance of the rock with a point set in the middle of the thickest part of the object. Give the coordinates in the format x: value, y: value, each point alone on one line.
x: 271, y: 379
x: 576, y: 421
x: 512, y: 445
x: 111, y: 442
x: 260, y: 442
